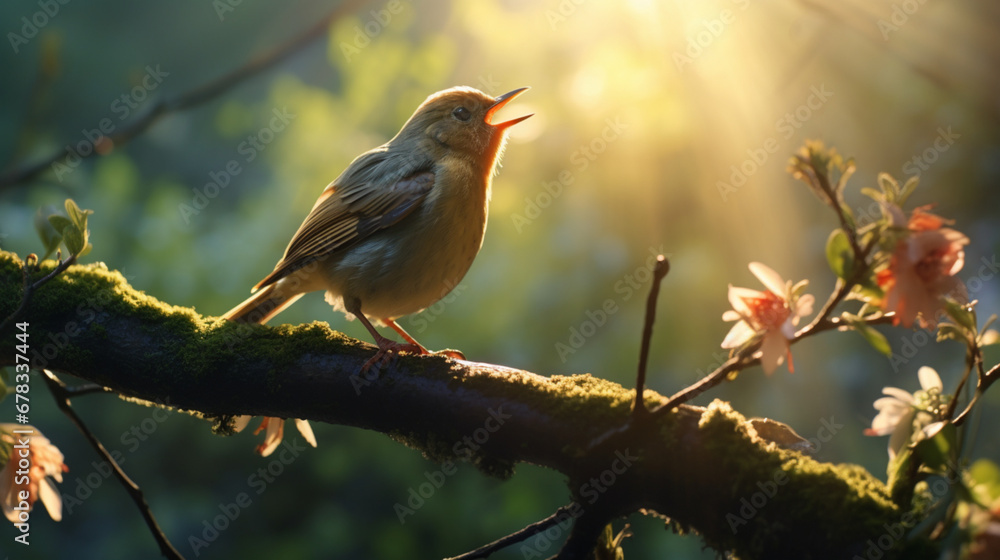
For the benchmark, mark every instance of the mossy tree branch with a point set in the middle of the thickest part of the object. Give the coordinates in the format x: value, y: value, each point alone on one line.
x: 698, y: 466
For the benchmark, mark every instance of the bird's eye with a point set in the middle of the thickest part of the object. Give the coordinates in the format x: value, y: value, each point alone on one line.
x: 461, y: 113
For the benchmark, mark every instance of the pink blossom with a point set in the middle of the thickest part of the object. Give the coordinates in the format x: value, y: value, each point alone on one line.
x: 773, y: 313
x: 275, y: 429
x: 922, y: 270
x: 30, y: 473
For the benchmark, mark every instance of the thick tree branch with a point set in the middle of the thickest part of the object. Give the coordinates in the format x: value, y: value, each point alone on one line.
x: 698, y: 466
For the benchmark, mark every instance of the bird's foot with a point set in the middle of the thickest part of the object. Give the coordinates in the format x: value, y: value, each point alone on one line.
x: 386, y: 349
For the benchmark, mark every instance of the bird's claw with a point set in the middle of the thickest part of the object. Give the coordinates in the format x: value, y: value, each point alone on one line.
x: 386, y: 349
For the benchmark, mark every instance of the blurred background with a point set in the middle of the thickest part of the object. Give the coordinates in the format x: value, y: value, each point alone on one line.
x: 659, y: 127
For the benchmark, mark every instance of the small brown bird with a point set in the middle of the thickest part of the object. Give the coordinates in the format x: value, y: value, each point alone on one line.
x: 401, y: 225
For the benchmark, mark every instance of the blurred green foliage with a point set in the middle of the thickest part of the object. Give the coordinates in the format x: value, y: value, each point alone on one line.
x: 659, y: 127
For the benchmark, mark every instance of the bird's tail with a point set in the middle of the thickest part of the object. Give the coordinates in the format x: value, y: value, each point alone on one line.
x: 260, y: 307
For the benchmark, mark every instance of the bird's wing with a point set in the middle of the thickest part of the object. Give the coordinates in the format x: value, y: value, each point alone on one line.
x: 374, y: 193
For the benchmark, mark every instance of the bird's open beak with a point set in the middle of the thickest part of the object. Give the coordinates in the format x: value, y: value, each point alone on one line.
x: 500, y: 102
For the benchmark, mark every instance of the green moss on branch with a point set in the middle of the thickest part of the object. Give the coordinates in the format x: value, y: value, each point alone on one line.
x: 696, y: 465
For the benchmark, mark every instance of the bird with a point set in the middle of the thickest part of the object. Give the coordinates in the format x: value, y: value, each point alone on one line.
x: 400, y: 227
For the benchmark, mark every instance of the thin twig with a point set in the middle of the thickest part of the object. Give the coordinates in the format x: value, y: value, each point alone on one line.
x: 660, y: 270
x: 989, y: 377
x: 970, y: 365
x: 35, y: 101
x: 743, y: 361
x: 842, y: 290
x: 838, y: 323
x: 984, y: 383
x: 736, y: 363
x: 514, y: 538
x: 29, y: 289
x: 839, y: 293
x: 86, y: 389
x: 62, y: 394
x: 192, y: 98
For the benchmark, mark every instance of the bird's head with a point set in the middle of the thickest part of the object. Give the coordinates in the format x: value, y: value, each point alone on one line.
x: 462, y: 120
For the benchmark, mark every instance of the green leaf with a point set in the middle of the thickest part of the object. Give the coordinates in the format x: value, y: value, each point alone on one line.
x: 900, y: 471
x: 799, y: 288
x: 74, y: 228
x: 873, y: 194
x: 937, y: 451
x: 986, y: 473
x: 60, y: 223
x: 75, y: 239
x: 848, y: 170
x: 949, y: 331
x: 839, y: 254
x: 79, y: 217
x: 867, y: 292
x: 889, y: 186
x: 875, y: 338
x: 961, y: 314
x: 908, y: 188
x: 51, y: 238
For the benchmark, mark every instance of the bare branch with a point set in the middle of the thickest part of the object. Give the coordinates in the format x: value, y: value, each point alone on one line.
x: 660, y: 270
x: 62, y: 394
x: 202, y: 94
x: 514, y: 538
